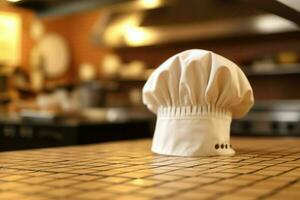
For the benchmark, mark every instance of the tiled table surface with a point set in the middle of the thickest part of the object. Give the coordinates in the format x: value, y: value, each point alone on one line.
x: 261, y: 169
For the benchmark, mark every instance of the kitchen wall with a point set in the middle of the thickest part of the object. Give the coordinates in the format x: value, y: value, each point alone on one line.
x: 26, y: 42
x: 76, y: 29
x: 241, y: 50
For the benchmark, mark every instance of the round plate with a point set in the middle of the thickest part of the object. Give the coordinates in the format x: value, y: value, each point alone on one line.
x: 54, y: 55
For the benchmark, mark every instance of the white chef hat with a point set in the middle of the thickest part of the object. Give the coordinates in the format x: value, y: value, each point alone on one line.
x: 195, y: 94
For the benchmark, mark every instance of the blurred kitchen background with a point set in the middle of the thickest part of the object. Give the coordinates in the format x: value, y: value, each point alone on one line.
x: 72, y: 71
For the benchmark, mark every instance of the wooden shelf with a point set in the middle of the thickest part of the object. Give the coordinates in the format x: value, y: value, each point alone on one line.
x: 283, y: 69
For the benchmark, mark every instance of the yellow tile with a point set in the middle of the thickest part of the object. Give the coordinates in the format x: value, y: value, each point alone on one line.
x: 4, y: 186
x: 128, y: 170
x: 61, y: 175
x: 239, y: 171
x: 85, y: 178
x: 90, y: 185
x: 163, y: 177
x: 134, y: 175
x: 39, y: 174
x: 253, y: 191
x: 163, y: 169
x: 185, y: 172
x: 61, y: 192
x: 61, y: 182
x: 95, y: 195
x: 268, y: 172
x: 132, y: 197
x: 235, y: 197
x: 188, y: 164
x: 218, y: 188
x: 13, y: 178
x: 36, y: 180
x: 179, y: 185
x: 236, y: 182
x: 29, y: 189
x: 10, y: 196
x: 289, y: 194
x: 251, y: 177
x: 35, y: 197
x: 194, y: 195
x: 107, y: 173
x: 83, y: 171
x: 200, y: 179
x: 144, y: 182
x: 219, y: 175
x: 270, y: 184
x: 286, y: 195
x: 122, y: 188
x: 157, y: 192
x: 114, y: 179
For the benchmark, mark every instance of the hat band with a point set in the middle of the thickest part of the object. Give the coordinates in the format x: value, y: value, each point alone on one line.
x: 200, y: 136
x: 193, y: 112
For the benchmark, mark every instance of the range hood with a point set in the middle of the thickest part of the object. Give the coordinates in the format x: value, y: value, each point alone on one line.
x: 181, y: 20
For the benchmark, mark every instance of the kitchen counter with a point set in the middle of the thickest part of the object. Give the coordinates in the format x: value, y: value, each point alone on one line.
x: 17, y: 133
x: 263, y: 168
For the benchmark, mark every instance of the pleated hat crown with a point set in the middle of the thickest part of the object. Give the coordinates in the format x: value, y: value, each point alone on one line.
x: 195, y: 94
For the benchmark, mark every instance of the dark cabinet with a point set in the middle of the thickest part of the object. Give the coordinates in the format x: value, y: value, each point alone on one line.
x: 24, y: 135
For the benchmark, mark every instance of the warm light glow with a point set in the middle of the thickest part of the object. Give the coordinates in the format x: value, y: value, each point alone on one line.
x: 127, y: 30
x: 10, y: 25
x: 271, y: 23
x: 150, y: 3
x: 114, y: 33
x: 138, y: 181
x: 137, y: 36
x: 13, y: 1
